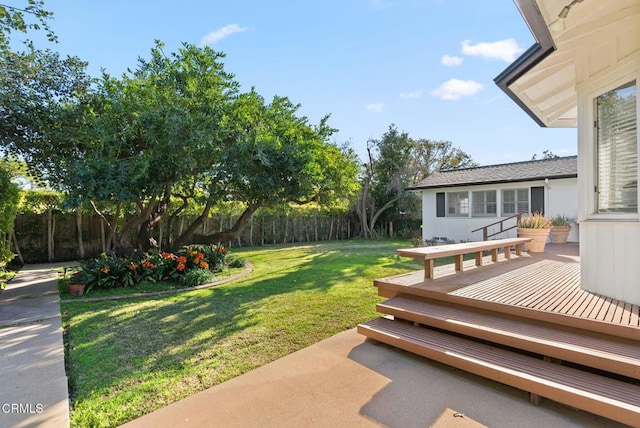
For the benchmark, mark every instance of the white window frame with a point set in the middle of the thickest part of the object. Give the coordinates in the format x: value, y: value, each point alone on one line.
x: 516, y: 201
x: 588, y: 132
x: 598, y: 209
x: 485, y: 204
x: 458, y: 206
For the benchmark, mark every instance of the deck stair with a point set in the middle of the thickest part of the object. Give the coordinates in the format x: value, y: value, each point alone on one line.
x: 544, y: 359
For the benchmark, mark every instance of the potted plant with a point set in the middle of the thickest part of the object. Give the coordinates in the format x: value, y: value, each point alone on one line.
x: 560, y: 228
x: 76, y: 284
x: 537, y: 227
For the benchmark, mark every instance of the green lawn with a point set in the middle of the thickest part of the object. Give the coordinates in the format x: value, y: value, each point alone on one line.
x: 127, y: 358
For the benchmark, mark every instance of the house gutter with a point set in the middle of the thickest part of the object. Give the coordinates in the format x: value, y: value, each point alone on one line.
x: 543, y: 47
x: 476, y: 183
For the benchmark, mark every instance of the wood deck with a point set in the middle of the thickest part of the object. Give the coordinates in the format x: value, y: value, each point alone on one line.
x: 551, y: 338
x: 545, y: 285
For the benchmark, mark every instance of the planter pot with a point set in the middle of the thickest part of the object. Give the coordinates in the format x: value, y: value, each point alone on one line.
x: 538, y: 236
x: 76, y: 289
x: 559, y: 234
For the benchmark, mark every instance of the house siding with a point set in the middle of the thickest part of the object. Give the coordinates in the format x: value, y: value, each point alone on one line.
x: 560, y: 198
x: 611, y: 267
x: 609, y: 246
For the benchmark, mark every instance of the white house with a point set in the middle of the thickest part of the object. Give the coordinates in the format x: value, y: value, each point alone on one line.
x: 456, y: 203
x: 583, y: 72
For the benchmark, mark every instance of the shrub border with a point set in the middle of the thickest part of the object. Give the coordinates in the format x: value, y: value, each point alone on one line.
x: 246, y: 271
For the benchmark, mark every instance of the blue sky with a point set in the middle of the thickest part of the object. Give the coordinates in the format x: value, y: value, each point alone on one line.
x: 425, y: 65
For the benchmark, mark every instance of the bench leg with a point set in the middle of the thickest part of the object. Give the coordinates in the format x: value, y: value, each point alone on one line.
x: 507, y: 253
x: 459, y: 261
x: 494, y: 255
x: 534, y: 399
x: 428, y: 269
x: 479, y: 258
x: 518, y: 249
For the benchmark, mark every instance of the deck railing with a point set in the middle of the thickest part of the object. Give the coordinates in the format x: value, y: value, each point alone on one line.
x: 485, y: 229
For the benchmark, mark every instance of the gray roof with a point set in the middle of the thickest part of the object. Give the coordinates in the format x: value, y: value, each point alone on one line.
x: 564, y: 167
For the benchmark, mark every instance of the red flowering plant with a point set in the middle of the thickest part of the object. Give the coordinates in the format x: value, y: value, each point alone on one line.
x: 192, y: 264
x: 213, y: 255
x: 110, y: 271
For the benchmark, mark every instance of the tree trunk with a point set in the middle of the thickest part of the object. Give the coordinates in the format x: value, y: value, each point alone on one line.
x: 145, y: 239
x: 187, y: 237
x: 230, y: 234
x: 15, y: 245
x: 123, y: 245
x: 80, y: 238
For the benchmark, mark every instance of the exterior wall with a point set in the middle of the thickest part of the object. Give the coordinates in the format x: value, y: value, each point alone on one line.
x: 609, y: 265
x: 560, y: 198
x: 609, y: 248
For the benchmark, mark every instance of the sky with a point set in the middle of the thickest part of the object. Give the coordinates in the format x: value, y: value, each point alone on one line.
x: 426, y: 66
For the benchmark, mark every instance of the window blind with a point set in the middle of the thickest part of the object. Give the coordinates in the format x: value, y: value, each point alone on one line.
x: 617, y: 150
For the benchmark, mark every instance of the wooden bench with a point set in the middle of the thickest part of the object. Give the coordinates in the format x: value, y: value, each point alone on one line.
x: 432, y: 253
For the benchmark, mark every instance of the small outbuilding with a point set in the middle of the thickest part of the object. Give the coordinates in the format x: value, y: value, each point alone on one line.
x: 457, y: 204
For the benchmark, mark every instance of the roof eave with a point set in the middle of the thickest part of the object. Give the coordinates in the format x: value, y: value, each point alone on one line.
x: 476, y: 183
x: 543, y: 47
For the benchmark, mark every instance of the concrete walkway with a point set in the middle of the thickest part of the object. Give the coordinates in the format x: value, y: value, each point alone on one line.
x: 349, y: 381
x: 33, y: 383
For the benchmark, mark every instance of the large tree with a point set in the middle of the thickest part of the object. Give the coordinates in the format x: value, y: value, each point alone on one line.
x: 176, y: 128
x: 145, y: 135
x: 272, y: 157
x: 395, y: 162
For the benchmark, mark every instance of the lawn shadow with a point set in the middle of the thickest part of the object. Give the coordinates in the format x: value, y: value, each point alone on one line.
x: 207, y: 336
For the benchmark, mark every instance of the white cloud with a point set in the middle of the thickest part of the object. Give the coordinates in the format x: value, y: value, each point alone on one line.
x: 505, y: 50
x: 454, y: 89
x: 451, y: 61
x: 376, y: 107
x: 409, y: 95
x: 216, y: 36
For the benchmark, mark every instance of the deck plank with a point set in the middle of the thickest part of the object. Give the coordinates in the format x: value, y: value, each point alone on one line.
x: 604, y: 396
x: 548, y: 282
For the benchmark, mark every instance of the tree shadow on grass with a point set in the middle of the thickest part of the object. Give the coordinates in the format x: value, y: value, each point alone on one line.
x: 168, y: 347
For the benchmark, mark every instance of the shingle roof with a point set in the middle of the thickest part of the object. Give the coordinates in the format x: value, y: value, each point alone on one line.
x: 564, y: 167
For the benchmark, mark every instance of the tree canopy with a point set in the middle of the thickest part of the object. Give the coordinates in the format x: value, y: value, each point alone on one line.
x: 29, y: 16
x: 395, y: 162
x: 9, y: 198
x: 176, y: 128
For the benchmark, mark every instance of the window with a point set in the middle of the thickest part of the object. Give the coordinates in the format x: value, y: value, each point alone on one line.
x: 457, y: 204
x: 515, y: 201
x: 617, y: 150
x: 484, y: 204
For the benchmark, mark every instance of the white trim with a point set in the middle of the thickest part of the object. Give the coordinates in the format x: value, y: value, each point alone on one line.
x: 515, y: 189
x: 587, y: 134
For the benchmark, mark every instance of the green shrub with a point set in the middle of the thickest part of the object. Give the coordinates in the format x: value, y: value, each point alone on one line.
x: 6, y: 255
x: 196, y: 277
x: 236, y: 262
x: 192, y: 265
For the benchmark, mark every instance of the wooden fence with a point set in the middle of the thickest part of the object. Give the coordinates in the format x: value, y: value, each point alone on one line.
x: 55, y: 237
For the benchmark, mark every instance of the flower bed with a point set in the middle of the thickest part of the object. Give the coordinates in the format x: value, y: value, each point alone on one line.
x: 191, y: 266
